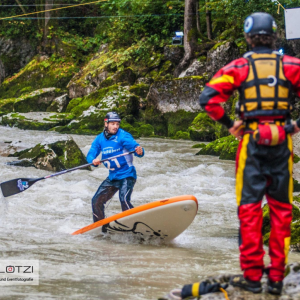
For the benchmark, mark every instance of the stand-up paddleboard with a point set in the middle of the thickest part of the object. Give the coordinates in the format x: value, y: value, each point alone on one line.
x: 164, y: 219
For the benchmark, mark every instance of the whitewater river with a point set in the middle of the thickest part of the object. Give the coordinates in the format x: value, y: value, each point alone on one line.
x: 37, y: 225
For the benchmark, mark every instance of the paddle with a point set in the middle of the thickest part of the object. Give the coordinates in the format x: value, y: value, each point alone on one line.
x: 20, y: 185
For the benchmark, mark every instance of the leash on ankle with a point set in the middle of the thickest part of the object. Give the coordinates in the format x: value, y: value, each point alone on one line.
x: 225, y: 293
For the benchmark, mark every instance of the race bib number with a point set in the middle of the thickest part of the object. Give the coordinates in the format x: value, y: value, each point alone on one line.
x: 108, y: 164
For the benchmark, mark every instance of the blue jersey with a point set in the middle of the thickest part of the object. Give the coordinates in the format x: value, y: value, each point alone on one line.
x: 121, y: 167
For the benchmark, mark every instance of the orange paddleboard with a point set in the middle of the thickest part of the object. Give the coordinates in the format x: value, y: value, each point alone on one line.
x: 163, y: 219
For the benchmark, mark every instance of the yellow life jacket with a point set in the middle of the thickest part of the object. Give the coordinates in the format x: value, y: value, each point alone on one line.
x: 266, y: 91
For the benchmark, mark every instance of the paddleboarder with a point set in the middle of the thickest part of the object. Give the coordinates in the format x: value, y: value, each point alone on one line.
x: 265, y: 80
x: 122, y: 173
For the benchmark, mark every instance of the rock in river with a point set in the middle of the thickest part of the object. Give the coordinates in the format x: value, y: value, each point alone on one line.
x: 52, y: 155
x: 36, y: 120
x: 177, y: 94
x: 220, y: 55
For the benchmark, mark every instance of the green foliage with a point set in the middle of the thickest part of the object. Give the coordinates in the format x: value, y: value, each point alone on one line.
x: 136, y: 19
x: 203, y: 128
x: 90, y: 111
x: 182, y: 135
x: 32, y: 28
x: 141, y: 89
x: 228, y: 15
x: 136, y: 32
x: 296, y: 185
x: 295, y: 234
x: 202, y: 145
x: 127, y: 22
x: 157, y: 120
x: 296, y: 158
x: 146, y: 130
x: 295, y: 226
x: 39, y: 73
x: 178, y: 121
x: 129, y: 128
x: 225, y: 148
x: 297, y: 198
x: 78, y: 105
x: 85, y: 44
x: 266, y: 220
x: 38, y: 100
x: 73, y: 103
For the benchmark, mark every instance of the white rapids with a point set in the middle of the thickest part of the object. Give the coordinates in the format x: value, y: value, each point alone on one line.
x: 37, y: 225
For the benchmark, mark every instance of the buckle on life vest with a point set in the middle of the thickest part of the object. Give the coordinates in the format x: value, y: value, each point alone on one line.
x: 269, y: 134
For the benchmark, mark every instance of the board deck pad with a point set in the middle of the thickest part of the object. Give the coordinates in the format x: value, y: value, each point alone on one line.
x: 163, y: 219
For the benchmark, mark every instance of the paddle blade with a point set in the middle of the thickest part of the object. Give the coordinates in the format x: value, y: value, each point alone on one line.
x: 16, y: 186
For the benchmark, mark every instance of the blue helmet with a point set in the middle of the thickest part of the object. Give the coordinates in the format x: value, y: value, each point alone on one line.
x: 260, y: 23
x: 112, y: 117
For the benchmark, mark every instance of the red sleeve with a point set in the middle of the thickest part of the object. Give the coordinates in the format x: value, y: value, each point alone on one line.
x: 221, y: 87
x: 291, y: 68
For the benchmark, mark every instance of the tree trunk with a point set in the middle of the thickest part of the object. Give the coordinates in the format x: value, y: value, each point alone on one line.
x: 50, y: 40
x: 190, y: 35
x: 48, y: 5
x: 208, y: 23
x: 40, y: 7
x: 198, y: 17
x: 20, y: 5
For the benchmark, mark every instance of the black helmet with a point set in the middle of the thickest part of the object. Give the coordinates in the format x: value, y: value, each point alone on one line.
x: 260, y: 23
x: 112, y: 117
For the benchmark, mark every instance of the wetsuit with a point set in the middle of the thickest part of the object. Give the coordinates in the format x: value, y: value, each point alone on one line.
x: 122, y: 173
x: 265, y: 81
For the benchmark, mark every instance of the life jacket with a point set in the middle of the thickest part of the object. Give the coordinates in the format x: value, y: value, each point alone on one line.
x: 266, y: 91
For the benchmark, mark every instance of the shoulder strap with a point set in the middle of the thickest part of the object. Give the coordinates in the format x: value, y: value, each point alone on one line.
x: 251, y: 61
x: 277, y: 53
x: 246, y: 55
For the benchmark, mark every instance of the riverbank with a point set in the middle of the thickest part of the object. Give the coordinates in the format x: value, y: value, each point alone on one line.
x: 66, y: 93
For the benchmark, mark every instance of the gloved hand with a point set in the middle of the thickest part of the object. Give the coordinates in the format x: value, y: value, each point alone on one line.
x: 203, y: 288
